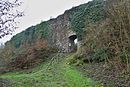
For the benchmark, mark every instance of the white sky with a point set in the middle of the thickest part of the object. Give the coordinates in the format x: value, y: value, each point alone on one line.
x: 41, y: 10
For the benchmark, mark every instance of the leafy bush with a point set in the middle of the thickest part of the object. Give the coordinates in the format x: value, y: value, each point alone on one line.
x: 91, y: 12
x: 32, y: 58
x: 108, y: 40
x: 27, y: 56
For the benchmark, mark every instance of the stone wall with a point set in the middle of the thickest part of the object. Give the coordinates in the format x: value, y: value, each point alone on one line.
x: 61, y: 30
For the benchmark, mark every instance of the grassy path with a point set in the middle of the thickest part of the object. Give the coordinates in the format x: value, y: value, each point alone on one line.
x: 56, y: 73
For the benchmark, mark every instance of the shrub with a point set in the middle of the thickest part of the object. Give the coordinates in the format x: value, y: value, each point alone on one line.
x: 29, y: 56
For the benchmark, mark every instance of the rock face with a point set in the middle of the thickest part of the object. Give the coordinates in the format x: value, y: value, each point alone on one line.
x: 56, y: 31
x: 61, y: 31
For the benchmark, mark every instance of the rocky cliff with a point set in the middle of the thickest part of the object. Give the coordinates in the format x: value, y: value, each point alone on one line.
x: 58, y: 30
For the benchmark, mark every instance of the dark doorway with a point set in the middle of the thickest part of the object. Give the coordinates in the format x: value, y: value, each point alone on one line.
x: 73, y: 43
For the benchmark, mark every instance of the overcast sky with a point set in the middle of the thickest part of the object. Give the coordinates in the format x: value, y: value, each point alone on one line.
x: 41, y: 10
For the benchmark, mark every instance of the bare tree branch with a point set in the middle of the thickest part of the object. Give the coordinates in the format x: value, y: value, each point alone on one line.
x: 8, y: 16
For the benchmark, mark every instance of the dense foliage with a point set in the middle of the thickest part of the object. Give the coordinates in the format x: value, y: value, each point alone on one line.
x: 91, y: 12
x: 31, y: 35
x: 103, y: 28
x: 79, y: 17
x: 108, y: 40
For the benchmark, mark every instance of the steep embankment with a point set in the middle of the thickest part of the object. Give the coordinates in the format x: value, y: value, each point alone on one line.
x: 52, y: 34
x: 54, y: 73
x: 30, y: 45
x: 56, y: 30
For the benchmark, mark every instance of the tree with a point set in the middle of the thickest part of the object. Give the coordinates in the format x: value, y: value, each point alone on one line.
x: 118, y: 12
x: 8, y: 15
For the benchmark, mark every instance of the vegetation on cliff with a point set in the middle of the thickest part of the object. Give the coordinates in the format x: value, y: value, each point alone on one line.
x: 79, y: 16
x: 102, y: 27
x: 108, y: 42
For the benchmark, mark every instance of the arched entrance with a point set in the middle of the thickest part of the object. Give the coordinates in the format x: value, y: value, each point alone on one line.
x: 73, y: 43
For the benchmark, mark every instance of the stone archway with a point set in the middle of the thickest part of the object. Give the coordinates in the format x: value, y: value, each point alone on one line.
x: 72, y: 43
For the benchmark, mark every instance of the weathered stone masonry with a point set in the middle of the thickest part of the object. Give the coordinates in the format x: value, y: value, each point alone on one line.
x: 61, y: 33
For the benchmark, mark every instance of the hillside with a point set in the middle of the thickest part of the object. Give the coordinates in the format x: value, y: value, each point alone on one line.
x: 55, y: 33
x: 88, y: 46
x: 54, y: 73
x: 73, y: 19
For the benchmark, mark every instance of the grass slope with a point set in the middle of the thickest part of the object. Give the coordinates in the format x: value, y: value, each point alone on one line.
x: 54, y: 73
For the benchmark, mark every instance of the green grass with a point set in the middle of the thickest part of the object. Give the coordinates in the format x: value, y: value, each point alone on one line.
x: 55, y: 73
